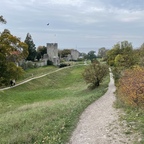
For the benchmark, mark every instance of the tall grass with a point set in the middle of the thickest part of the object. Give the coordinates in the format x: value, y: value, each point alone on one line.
x: 134, y: 118
x: 46, y: 110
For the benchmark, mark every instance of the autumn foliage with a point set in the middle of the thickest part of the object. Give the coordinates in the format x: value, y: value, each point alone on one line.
x: 131, y: 87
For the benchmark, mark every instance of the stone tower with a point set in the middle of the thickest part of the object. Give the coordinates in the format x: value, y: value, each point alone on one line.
x: 52, y: 51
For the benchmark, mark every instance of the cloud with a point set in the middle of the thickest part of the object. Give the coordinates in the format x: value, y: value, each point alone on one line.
x: 63, y: 2
x: 88, y: 22
x: 128, y: 15
x: 120, y: 37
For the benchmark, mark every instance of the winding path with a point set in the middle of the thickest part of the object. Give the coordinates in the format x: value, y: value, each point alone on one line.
x: 99, y: 123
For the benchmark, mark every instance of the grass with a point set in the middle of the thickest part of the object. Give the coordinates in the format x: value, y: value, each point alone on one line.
x: 46, y: 110
x: 135, y: 120
x: 29, y: 73
x: 34, y: 72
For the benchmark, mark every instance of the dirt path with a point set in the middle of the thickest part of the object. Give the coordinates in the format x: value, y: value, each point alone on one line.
x: 99, y: 123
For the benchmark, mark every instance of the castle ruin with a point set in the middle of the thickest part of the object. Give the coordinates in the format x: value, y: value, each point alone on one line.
x: 52, y: 51
x: 52, y: 54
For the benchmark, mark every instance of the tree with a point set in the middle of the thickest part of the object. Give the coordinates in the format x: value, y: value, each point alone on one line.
x: 91, y: 55
x: 111, y: 54
x: 83, y: 55
x: 41, y: 50
x: 65, y: 52
x: 128, y: 55
x: 122, y: 54
x: 31, y: 48
x: 12, y: 50
x: 102, y: 52
x: 94, y: 74
x: 141, y: 51
x: 119, y: 60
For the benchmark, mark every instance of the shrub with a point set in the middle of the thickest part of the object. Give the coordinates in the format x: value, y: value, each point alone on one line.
x: 131, y: 87
x: 30, y: 64
x: 49, y: 62
x: 94, y: 74
x: 63, y: 65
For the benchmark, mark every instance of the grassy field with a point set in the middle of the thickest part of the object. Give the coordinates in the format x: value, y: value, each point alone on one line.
x: 46, y: 110
x: 37, y: 72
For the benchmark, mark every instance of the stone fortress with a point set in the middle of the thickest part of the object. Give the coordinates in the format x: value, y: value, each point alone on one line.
x: 52, y: 54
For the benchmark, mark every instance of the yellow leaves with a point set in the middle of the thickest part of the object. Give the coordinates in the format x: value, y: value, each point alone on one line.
x: 131, y: 87
x: 11, y: 44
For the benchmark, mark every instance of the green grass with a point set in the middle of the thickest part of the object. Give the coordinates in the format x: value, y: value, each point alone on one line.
x: 135, y: 120
x: 46, y: 110
x: 33, y: 72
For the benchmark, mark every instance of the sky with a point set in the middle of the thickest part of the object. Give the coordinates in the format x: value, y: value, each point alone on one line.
x: 84, y: 25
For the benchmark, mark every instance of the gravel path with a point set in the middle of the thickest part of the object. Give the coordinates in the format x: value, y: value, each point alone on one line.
x: 99, y: 123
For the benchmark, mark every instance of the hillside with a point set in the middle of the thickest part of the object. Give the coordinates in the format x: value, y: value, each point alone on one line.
x: 46, y: 110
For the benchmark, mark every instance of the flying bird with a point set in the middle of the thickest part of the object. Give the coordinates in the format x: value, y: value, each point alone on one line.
x: 48, y: 24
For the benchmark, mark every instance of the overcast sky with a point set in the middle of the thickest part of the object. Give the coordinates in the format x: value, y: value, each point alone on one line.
x: 80, y: 24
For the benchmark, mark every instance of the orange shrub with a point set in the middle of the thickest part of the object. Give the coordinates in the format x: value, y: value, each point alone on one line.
x: 131, y: 87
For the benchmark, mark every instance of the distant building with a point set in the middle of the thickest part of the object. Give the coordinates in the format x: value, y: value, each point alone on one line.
x: 52, y: 53
x: 74, y: 54
x: 69, y: 57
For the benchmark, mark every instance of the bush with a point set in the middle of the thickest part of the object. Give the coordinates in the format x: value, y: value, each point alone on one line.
x: 30, y: 64
x: 131, y: 87
x: 94, y: 74
x: 12, y: 72
x: 63, y: 65
x: 49, y: 62
x: 117, y: 72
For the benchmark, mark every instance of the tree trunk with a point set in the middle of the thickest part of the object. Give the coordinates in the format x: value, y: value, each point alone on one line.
x: 97, y: 83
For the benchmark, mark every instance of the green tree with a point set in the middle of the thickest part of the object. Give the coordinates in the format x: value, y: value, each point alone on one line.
x: 12, y: 50
x: 139, y: 53
x: 83, y: 55
x: 31, y: 48
x: 91, y: 55
x: 102, y: 52
x: 94, y: 74
x: 111, y: 54
x: 122, y: 54
x: 41, y: 50
x: 65, y: 52
x: 141, y: 50
x: 119, y: 60
x: 128, y: 54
